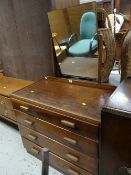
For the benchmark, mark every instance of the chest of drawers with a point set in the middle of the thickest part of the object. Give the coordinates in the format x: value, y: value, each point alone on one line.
x: 9, y: 85
x: 65, y: 118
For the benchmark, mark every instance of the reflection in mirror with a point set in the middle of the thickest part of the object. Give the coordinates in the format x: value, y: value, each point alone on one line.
x: 75, y: 39
x: 123, y: 8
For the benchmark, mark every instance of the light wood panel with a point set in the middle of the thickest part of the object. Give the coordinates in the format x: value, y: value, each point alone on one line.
x: 8, y: 85
x: 58, y: 24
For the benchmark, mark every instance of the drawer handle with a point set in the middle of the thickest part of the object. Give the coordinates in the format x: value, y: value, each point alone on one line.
x: 2, y: 102
x: 32, y: 137
x: 35, y: 151
x: 6, y: 113
x: 72, y: 157
x: 73, y: 172
x: 67, y: 123
x: 74, y: 142
x: 24, y: 108
x: 28, y: 122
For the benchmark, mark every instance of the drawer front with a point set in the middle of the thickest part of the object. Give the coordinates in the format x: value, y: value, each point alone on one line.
x: 5, y: 102
x: 7, y: 113
x: 86, y: 162
x: 55, y: 161
x: 82, y: 128
x: 77, y: 142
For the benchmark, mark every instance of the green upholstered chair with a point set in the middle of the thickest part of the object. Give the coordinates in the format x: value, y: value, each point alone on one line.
x: 88, y: 37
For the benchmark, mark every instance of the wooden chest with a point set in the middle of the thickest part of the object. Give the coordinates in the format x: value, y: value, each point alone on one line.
x: 9, y: 85
x: 116, y: 132
x: 63, y: 116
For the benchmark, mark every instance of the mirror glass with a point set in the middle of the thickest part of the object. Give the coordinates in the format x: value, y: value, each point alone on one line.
x: 75, y: 40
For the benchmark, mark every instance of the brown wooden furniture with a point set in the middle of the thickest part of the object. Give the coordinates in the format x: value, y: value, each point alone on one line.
x: 63, y: 116
x: 119, y: 38
x: 116, y: 132
x: 107, y: 5
x: 106, y: 54
x: 102, y: 15
x: 124, y: 7
x: 9, y: 85
x: 58, y: 4
x: 126, y: 57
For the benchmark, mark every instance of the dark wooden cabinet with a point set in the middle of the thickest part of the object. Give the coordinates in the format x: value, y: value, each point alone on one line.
x: 116, y: 132
x: 64, y: 116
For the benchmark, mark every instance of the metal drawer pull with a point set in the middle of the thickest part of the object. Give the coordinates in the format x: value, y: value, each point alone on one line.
x: 28, y: 122
x: 73, y: 172
x: 24, y: 108
x: 35, y: 151
x: 74, y: 142
x: 67, y: 123
x: 72, y: 157
x: 32, y: 137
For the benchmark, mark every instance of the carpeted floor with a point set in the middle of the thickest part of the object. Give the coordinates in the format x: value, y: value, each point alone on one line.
x: 14, y: 160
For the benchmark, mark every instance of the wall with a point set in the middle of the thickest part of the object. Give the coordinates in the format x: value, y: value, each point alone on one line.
x: 25, y: 38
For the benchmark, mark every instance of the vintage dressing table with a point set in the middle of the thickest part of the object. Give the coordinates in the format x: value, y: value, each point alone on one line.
x: 9, y: 85
x: 65, y: 117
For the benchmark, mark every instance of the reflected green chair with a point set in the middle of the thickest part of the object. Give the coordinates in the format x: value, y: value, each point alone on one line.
x: 88, y: 43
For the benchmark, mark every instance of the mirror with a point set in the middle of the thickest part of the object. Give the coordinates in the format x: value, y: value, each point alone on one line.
x: 75, y: 40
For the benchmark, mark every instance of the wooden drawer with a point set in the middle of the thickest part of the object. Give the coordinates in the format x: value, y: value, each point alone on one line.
x: 55, y: 161
x: 77, y: 142
x: 7, y: 113
x: 5, y: 102
x: 86, y: 162
x: 78, y: 126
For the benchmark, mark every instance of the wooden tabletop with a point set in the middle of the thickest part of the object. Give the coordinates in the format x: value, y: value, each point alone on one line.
x: 8, y: 85
x: 120, y: 101
x: 74, y: 100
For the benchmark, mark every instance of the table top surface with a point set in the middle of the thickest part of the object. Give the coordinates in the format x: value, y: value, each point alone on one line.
x: 120, y: 101
x: 84, y: 102
x: 8, y: 85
